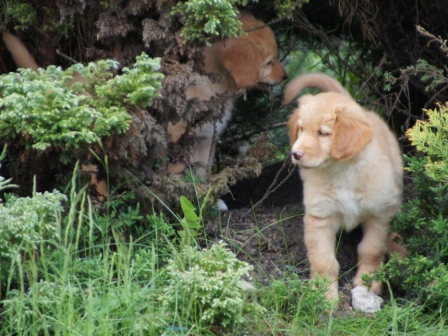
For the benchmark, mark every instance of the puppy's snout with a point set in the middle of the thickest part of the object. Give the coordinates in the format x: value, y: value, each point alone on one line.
x: 297, y: 155
x: 285, y: 75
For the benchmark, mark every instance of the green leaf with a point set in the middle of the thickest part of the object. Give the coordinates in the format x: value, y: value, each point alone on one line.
x: 193, y: 220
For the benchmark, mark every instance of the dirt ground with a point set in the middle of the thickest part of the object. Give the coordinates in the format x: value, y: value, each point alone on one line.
x: 270, y: 236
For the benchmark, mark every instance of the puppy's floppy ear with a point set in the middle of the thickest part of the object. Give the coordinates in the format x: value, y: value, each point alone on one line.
x: 351, y: 133
x: 242, y: 60
x: 293, y: 127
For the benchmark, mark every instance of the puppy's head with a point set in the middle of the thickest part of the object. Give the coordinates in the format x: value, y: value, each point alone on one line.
x: 327, y: 127
x: 252, y: 59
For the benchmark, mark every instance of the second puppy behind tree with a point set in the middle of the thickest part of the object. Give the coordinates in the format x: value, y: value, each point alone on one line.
x: 243, y: 62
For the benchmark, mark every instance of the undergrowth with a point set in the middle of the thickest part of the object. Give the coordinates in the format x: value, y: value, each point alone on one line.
x: 423, y: 220
x: 69, y: 269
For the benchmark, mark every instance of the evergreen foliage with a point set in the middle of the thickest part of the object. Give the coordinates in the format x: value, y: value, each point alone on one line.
x: 431, y: 138
x: 210, y: 18
x: 423, y: 219
x: 42, y: 111
x: 206, y: 286
x: 20, y: 12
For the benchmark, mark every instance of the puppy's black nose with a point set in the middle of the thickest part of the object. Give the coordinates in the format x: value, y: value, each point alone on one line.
x: 285, y: 76
x: 297, y: 155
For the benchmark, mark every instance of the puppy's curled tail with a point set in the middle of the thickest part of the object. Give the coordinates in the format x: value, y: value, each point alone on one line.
x: 19, y: 52
x: 317, y: 80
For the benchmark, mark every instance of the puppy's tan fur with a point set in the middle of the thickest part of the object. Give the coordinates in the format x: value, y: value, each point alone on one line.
x: 351, y: 167
x: 244, y: 62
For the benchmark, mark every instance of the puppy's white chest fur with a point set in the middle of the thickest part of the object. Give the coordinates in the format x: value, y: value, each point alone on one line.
x: 346, y: 205
x: 340, y: 196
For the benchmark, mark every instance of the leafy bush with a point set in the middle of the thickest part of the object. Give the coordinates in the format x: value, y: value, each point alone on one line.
x: 216, y: 18
x: 424, y: 280
x: 423, y: 219
x: 39, y: 112
x: 220, y: 18
x: 43, y: 110
x: 20, y: 12
x: 206, y: 287
x: 28, y: 221
x: 138, y: 85
x: 431, y: 137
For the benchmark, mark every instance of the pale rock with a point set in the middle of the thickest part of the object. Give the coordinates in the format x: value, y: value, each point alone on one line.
x: 221, y: 205
x: 365, y: 301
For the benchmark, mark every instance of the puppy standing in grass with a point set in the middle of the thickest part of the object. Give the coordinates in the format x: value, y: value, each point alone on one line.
x: 351, y: 167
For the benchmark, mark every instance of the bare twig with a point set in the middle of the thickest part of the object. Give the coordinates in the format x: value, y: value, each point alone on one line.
x: 68, y: 58
x: 434, y: 96
x: 442, y: 43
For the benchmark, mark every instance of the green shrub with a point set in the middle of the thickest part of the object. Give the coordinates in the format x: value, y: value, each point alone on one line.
x: 205, y: 18
x: 22, y: 13
x: 206, y: 287
x: 423, y: 219
x: 425, y: 281
x: 26, y: 223
x: 138, y: 85
x: 42, y: 111
x: 431, y: 137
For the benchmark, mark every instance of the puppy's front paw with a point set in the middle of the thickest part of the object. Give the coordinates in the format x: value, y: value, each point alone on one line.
x: 333, y: 292
x: 376, y: 286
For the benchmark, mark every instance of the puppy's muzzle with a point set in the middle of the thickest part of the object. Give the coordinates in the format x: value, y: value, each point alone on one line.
x: 298, y: 155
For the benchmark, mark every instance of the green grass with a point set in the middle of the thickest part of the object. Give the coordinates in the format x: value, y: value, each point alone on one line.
x: 117, y: 273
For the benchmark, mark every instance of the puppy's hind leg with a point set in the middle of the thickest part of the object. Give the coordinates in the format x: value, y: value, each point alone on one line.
x: 320, y: 241
x: 372, y: 251
x: 203, y: 149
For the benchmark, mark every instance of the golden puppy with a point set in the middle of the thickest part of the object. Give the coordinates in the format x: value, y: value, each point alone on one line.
x: 351, y: 167
x: 244, y: 62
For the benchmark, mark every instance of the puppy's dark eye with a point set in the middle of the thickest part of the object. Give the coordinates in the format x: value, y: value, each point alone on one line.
x: 322, y: 133
x: 269, y: 62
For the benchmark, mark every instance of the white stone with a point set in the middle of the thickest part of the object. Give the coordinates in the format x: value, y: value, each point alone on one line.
x: 365, y: 301
x: 221, y: 205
